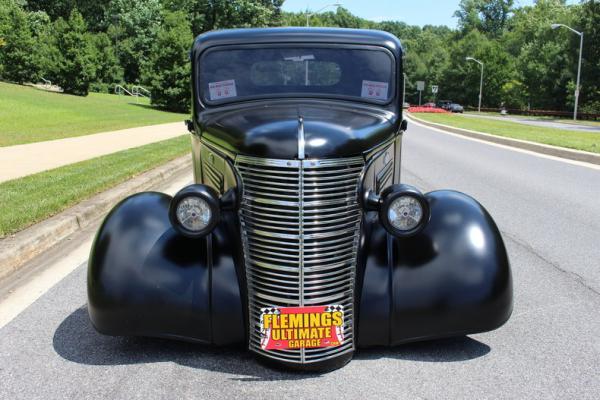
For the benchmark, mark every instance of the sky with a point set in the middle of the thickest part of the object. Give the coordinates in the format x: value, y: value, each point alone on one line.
x: 413, y: 12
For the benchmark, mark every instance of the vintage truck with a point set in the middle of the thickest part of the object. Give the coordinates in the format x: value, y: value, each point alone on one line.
x: 298, y: 237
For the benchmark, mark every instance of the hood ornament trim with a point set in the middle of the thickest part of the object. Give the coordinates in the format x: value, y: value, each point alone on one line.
x: 301, y: 141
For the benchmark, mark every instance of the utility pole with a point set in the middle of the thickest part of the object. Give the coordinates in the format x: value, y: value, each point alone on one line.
x: 480, y: 80
x: 577, y: 87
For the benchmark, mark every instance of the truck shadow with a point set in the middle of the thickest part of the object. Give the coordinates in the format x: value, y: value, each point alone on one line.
x: 76, y: 340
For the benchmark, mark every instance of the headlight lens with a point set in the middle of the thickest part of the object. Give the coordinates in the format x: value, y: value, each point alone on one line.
x: 405, y: 213
x: 195, y: 210
x: 403, y: 210
x: 194, y: 213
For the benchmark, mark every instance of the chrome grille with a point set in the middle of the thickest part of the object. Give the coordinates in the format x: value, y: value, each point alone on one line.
x: 300, y: 230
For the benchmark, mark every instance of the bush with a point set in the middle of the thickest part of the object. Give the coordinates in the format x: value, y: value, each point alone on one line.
x: 17, y: 56
x: 168, y: 70
x: 73, y: 66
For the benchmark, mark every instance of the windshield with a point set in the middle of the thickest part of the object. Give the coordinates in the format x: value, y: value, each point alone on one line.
x: 227, y: 75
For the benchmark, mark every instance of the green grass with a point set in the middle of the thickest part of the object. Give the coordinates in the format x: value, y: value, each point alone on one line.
x: 539, y: 117
x: 587, y: 141
x: 28, y: 200
x: 30, y: 115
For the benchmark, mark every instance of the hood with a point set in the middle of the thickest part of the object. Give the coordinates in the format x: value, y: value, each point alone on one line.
x: 272, y: 131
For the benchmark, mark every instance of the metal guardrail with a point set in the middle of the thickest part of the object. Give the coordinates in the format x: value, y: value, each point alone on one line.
x: 136, y: 91
x: 140, y: 91
x: 121, y: 90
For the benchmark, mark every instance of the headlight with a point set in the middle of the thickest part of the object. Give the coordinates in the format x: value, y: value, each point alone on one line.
x: 404, y: 210
x: 194, y: 211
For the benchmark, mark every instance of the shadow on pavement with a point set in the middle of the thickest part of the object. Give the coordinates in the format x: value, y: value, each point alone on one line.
x: 76, y: 340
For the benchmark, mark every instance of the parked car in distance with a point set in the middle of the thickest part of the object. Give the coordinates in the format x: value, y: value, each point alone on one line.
x: 405, y: 105
x: 429, y: 105
x: 455, y: 108
x: 444, y: 104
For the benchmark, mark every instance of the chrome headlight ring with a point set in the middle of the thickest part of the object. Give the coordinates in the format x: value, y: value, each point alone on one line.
x: 403, y: 209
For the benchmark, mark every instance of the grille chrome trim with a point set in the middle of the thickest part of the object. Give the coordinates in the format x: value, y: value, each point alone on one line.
x: 300, y: 230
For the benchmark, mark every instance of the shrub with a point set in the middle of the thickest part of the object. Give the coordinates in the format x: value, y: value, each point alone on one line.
x: 168, y: 70
x: 17, y: 56
x: 73, y: 64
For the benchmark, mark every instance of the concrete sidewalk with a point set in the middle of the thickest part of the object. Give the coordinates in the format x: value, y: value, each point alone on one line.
x: 26, y: 159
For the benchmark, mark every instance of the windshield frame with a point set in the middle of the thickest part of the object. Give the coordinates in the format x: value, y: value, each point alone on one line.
x: 204, y: 103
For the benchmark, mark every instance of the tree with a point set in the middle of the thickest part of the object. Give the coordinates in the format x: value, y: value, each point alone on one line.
x: 108, y: 69
x: 588, y: 21
x: 73, y: 66
x: 93, y: 11
x: 206, y: 15
x: 132, y: 27
x: 168, y: 72
x: 542, y: 55
x: 487, y: 16
x: 17, y: 45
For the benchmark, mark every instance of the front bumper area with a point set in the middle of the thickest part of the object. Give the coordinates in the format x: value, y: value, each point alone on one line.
x: 145, y: 279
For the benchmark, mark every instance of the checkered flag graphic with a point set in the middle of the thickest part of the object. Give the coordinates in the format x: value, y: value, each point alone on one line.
x: 334, y: 308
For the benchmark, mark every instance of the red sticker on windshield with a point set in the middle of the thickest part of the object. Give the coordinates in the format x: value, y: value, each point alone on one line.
x: 301, y: 327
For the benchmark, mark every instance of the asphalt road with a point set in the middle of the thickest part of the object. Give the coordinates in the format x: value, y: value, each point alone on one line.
x: 549, y: 214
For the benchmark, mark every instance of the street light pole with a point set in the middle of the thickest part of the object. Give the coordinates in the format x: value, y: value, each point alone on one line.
x: 577, y: 87
x: 480, y: 80
x: 308, y: 15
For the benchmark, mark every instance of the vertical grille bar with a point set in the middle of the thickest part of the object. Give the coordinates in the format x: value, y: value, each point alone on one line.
x: 300, y: 230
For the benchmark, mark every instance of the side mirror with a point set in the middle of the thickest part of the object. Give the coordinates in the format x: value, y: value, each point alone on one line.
x: 404, y: 125
x: 190, y: 125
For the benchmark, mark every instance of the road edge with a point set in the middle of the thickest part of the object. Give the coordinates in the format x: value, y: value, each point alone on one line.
x: 23, y: 246
x: 576, y: 155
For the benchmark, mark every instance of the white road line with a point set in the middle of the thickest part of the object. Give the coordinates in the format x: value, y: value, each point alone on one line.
x: 533, y: 153
x: 26, y: 294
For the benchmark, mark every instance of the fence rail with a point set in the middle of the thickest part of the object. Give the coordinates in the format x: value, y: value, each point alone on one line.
x: 136, y: 91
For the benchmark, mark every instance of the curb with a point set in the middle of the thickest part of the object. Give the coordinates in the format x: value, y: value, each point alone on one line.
x: 576, y: 155
x: 23, y: 246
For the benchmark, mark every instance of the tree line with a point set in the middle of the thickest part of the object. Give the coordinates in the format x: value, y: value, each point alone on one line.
x: 84, y: 45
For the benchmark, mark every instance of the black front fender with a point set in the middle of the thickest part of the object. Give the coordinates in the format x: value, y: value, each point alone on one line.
x: 451, y: 279
x: 146, y: 279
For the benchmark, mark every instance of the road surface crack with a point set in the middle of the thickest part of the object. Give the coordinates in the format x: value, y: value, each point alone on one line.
x: 578, y: 278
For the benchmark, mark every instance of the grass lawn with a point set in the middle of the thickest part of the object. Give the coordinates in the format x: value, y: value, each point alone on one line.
x: 31, y: 115
x: 28, y: 200
x: 587, y: 141
x: 539, y: 117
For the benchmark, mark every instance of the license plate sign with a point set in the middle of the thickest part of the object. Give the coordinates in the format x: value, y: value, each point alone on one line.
x: 284, y: 328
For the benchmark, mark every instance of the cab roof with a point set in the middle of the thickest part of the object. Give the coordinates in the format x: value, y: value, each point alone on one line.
x: 368, y: 37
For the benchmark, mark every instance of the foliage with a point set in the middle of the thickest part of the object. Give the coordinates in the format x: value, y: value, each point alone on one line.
x: 17, y: 60
x: 108, y: 68
x: 527, y: 64
x: 73, y: 67
x: 168, y: 73
x: 487, y: 16
x: 206, y: 15
x: 133, y: 25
